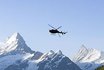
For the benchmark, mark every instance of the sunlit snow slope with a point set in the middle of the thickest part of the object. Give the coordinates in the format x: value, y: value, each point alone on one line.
x: 89, y: 59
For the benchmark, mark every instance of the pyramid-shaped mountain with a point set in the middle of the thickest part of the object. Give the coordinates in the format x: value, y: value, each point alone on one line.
x: 16, y: 44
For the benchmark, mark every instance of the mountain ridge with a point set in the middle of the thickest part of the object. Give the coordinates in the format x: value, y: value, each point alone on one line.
x: 18, y: 56
x: 88, y: 58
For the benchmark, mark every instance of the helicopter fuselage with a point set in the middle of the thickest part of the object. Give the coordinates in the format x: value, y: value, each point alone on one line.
x: 54, y: 31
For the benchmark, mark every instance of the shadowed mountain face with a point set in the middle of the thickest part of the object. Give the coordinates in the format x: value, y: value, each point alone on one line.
x: 18, y: 66
x: 16, y: 55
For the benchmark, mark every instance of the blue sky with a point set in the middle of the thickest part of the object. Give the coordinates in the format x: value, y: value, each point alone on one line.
x: 83, y: 19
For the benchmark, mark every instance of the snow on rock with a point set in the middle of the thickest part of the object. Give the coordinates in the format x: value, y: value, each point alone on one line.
x: 57, y: 61
x: 32, y: 65
x: 81, y: 53
x: 92, y: 55
x: 15, y: 37
x: 37, y: 55
x: 88, y: 59
x: 16, y: 44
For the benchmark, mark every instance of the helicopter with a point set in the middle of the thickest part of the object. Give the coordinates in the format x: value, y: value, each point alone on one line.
x: 56, y: 31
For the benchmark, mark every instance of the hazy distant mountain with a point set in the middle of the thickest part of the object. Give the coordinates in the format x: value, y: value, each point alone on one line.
x: 16, y: 55
x: 89, y: 59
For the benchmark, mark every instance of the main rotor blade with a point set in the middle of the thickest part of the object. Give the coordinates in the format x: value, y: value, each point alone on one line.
x: 51, y: 26
x: 59, y: 27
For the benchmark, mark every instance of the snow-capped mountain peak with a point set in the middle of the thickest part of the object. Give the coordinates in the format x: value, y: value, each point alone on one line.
x: 83, y: 51
x: 15, y: 37
x: 16, y: 44
x: 88, y: 58
x: 50, y: 55
x: 86, y: 54
x: 59, y: 52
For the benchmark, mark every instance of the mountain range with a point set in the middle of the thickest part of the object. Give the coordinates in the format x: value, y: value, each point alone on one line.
x: 16, y: 55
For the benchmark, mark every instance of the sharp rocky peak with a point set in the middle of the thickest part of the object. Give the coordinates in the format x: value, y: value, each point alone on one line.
x: 83, y: 48
x: 16, y: 37
x: 16, y: 44
x: 89, y: 58
x: 87, y: 55
x: 59, y: 52
x: 83, y: 51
